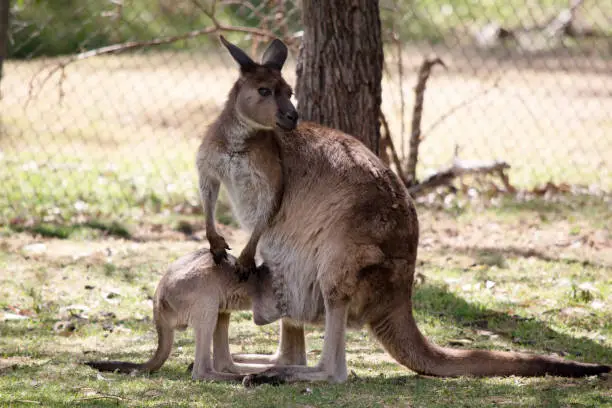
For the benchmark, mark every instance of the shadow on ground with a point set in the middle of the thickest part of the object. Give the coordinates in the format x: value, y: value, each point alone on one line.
x: 528, y: 334
x: 516, y: 252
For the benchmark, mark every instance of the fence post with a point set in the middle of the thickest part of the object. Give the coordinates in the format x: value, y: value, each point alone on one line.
x: 5, y: 7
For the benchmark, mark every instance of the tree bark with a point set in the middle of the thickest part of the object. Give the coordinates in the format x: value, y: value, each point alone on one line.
x: 339, y: 71
x: 4, y: 28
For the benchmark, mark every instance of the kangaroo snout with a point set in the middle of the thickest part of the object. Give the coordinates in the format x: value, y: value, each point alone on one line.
x: 287, y: 120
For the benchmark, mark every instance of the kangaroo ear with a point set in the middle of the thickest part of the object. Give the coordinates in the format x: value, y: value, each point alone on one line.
x: 275, y: 55
x: 245, y: 62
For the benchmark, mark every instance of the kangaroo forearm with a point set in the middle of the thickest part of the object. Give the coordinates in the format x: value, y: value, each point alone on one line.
x: 209, y: 192
x: 251, y: 246
x: 266, y: 215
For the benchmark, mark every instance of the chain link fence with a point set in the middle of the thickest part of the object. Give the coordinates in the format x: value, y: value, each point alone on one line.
x: 115, y: 133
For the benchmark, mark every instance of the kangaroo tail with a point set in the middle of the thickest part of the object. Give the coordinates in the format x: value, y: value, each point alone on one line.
x: 401, y: 337
x: 165, y: 338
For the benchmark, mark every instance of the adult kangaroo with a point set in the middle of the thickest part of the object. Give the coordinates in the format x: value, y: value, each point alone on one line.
x: 342, y: 247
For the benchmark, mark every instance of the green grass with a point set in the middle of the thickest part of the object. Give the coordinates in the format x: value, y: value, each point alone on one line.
x: 89, y: 229
x: 488, y: 294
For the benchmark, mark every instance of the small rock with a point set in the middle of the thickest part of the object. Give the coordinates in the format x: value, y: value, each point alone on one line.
x: 459, y: 342
x: 519, y: 340
x: 13, y: 316
x: 122, y: 330
x: 588, y: 286
x: 74, y: 308
x: 64, y: 328
x: 4, y: 368
x: 36, y: 248
x: 112, y: 295
x: 185, y: 227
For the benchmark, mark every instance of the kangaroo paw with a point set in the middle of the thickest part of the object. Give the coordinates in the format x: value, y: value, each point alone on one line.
x: 218, y: 248
x: 245, y: 267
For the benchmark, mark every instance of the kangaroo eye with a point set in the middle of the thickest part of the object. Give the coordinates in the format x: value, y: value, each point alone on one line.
x: 264, y: 91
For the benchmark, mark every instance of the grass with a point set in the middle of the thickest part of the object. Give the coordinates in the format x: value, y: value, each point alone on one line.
x: 90, y: 229
x: 554, y: 297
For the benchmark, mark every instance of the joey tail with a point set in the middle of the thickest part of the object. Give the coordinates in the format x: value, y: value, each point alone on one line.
x: 400, y: 336
x: 165, y: 337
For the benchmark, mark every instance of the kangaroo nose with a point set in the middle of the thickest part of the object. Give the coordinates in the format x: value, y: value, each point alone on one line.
x: 292, y: 116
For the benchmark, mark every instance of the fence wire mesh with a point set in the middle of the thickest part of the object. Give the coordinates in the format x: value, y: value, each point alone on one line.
x: 116, y: 133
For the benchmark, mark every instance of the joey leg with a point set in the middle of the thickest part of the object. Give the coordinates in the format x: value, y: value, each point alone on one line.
x: 291, y: 348
x: 203, y: 331
x: 222, y: 359
x: 203, y: 368
x: 331, y: 367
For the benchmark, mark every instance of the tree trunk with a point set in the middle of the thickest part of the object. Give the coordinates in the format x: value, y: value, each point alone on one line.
x: 4, y: 28
x: 340, y: 67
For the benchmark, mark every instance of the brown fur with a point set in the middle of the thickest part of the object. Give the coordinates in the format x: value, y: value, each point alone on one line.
x: 342, y: 247
x: 196, y: 292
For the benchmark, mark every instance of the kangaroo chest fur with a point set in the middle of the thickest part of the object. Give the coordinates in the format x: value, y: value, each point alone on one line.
x: 345, y: 228
x: 252, y: 175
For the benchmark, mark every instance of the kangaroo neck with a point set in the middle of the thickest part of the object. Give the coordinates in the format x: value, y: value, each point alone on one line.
x: 238, y: 129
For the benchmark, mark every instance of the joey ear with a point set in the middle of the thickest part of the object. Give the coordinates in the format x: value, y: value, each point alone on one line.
x: 275, y: 55
x: 245, y: 62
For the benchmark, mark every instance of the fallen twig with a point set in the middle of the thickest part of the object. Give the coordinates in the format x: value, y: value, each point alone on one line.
x: 116, y: 398
x: 462, y: 168
x: 417, y: 112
